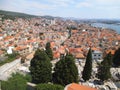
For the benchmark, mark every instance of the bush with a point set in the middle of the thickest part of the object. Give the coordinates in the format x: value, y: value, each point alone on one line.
x: 49, y: 87
x: 16, y: 82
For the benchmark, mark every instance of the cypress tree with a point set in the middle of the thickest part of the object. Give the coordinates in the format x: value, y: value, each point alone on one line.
x: 40, y: 67
x: 116, y: 58
x: 109, y: 59
x: 86, y: 74
x: 49, y: 51
x: 65, y: 71
x: 104, y: 69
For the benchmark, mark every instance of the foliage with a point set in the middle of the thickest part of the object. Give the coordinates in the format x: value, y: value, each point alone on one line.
x: 13, y: 15
x: 16, y: 82
x: 109, y: 59
x: 49, y: 87
x: 65, y: 71
x: 40, y: 67
x: 10, y: 58
x: 49, y: 51
x: 13, y: 55
x: 116, y: 58
x: 104, y: 68
x: 86, y: 75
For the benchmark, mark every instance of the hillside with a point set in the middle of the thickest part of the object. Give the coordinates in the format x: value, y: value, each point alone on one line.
x: 13, y: 15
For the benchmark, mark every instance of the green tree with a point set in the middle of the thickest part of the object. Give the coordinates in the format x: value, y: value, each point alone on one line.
x: 40, y: 67
x: 16, y: 82
x: 109, y: 59
x: 65, y: 71
x: 49, y: 87
x: 104, y: 69
x: 49, y: 51
x: 86, y: 74
x: 116, y: 58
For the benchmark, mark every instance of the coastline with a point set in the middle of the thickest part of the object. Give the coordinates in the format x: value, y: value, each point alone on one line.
x: 115, y: 26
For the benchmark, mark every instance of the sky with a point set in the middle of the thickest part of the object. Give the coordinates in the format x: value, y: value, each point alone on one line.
x: 84, y: 9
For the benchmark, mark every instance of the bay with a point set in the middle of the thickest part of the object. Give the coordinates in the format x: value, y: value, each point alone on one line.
x: 115, y: 27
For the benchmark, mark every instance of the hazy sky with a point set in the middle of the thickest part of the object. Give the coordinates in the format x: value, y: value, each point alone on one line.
x: 65, y: 8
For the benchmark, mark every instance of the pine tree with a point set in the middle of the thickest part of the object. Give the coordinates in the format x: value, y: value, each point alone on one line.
x: 65, y: 71
x: 116, y: 58
x: 86, y: 75
x: 49, y: 51
x: 40, y: 67
x: 104, y: 69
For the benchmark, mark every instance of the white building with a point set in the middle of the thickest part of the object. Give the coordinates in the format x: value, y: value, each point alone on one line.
x: 10, y: 50
x: 97, y: 55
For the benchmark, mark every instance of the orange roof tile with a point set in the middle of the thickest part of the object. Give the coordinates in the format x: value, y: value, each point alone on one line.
x: 8, y: 37
x: 1, y: 35
x: 75, y: 86
x: 71, y: 50
x: 74, y: 31
x: 20, y: 48
x: 56, y: 54
x: 78, y: 49
x: 94, y: 48
x: 31, y: 41
x: 80, y: 55
x: 1, y: 52
x: 61, y: 50
x: 110, y: 51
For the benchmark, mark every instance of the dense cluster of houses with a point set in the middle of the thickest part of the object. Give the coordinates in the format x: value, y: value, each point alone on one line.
x: 24, y: 36
x: 100, y: 40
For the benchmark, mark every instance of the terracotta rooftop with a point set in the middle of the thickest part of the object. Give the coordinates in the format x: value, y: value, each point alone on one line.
x: 8, y: 37
x: 56, y: 54
x: 20, y: 48
x: 1, y: 52
x: 80, y: 56
x: 75, y: 86
x: 110, y: 51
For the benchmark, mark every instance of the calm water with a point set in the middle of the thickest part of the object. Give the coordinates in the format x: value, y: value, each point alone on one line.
x: 115, y: 27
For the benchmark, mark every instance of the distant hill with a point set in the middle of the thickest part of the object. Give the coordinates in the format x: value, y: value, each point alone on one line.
x: 13, y: 15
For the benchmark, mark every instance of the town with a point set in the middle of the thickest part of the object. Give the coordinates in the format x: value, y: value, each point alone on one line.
x: 23, y: 37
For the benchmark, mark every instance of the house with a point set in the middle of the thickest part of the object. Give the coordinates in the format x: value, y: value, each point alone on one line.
x: 97, y: 55
x: 10, y: 50
x: 79, y: 56
x: 22, y: 50
x: 75, y: 86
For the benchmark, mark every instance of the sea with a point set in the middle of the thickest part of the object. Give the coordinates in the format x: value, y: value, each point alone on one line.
x: 115, y: 26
